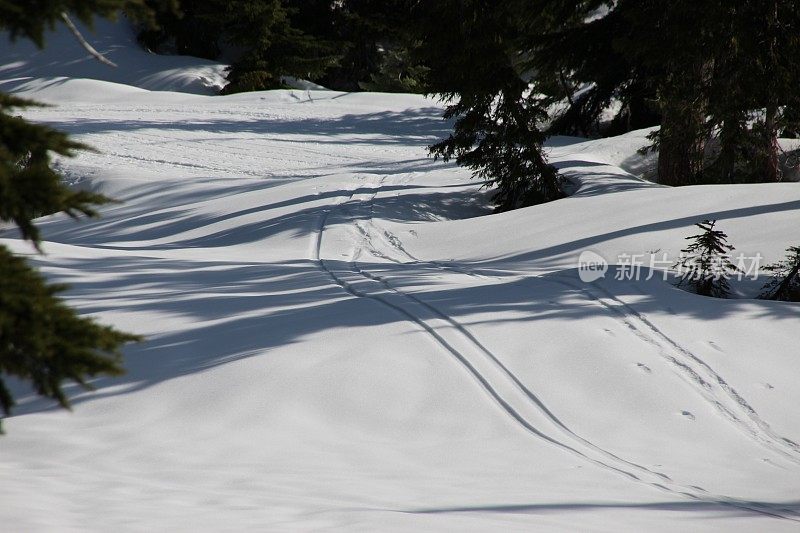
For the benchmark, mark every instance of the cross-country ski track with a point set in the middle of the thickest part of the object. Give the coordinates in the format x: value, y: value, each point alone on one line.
x: 339, y: 333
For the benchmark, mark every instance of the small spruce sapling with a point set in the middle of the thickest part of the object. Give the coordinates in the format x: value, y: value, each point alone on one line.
x: 785, y: 282
x: 705, y: 265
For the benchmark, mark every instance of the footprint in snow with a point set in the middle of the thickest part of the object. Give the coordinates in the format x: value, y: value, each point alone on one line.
x: 714, y: 345
x: 768, y: 386
x: 770, y: 463
x: 609, y: 332
x: 644, y: 368
x: 688, y: 415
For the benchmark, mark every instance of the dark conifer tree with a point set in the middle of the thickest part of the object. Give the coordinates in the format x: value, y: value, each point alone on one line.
x: 373, y: 41
x: 476, y: 66
x: 705, y: 265
x: 262, y: 38
x: 356, y: 28
x: 785, y: 282
x: 753, y: 88
x: 674, y: 46
x: 43, y: 341
x: 574, y: 48
x: 720, y: 71
x: 272, y: 46
x: 191, y: 28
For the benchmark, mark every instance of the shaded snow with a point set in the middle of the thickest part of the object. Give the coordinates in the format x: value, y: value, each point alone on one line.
x: 24, y: 66
x: 339, y: 335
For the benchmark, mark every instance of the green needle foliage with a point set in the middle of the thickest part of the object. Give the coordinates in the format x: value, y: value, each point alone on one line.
x: 476, y: 68
x: 29, y: 187
x: 705, y: 264
x: 273, y: 46
x: 785, y: 282
x: 43, y: 341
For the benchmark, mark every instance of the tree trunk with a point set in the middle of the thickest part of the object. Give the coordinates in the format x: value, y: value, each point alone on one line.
x: 681, y: 148
x: 772, y: 171
x: 729, y: 139
x: 682, y: 138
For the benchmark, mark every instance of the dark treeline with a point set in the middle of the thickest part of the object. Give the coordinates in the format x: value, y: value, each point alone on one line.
x: 347, y: 45
x: 719, y: 77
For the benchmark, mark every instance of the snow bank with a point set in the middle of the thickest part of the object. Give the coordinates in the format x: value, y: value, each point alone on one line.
x: 23, y: 65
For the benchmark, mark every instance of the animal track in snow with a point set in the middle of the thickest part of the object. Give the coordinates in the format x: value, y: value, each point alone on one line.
x: 487, y: 370
x: 714, y: 345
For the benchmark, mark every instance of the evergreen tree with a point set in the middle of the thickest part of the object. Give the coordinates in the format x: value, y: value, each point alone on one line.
x: 373, y: 39
x: 674, y: 46
x: 272, y: 46
x: 705, y: 265
x: 355, y: 27
x: 262, y: 38
x: 715, y: 71
x: 191, y: 28
x: 729, y: 71
x: 42, y: 341
x: 396, y: 72
x: 574, y: 48
x: 753, y: 90
x: 650, y: 59
x: 476, y: 67
x: 785, y: 282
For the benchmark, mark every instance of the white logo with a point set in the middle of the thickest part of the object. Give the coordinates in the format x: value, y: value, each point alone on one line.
x: 591, y: 266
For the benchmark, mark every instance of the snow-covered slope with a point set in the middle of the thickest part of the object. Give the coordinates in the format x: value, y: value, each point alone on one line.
x: 24, y: 66
x: 339, y: 335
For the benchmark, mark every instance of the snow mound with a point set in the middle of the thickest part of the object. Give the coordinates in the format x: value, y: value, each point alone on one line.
x: 23, y: 65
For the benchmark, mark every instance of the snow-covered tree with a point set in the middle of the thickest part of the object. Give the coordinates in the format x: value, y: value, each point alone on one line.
x: 705, y: 265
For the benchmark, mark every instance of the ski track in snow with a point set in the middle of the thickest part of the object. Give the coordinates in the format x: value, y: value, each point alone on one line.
x: 497, y: 381
x: 246, y: 304
x: 709, y: 384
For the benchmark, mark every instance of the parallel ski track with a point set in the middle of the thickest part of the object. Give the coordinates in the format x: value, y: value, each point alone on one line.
x: 709, y: 384
x: 484, y: 367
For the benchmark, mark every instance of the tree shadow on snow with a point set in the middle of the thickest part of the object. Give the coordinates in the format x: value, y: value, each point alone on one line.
x: 133, y: 231
x: 410, y: 127
x: 233, y: 310
x: 720, y: 509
